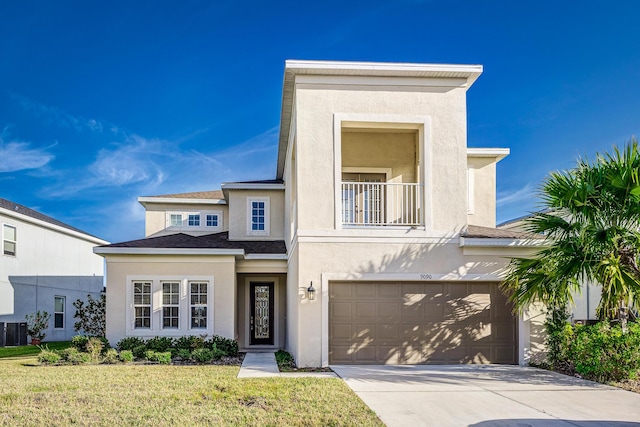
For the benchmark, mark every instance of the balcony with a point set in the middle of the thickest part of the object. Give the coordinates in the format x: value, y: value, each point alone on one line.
x: 381, y: 204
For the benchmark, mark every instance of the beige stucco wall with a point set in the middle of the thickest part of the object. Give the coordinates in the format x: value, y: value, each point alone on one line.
x: 219, y: 269
x: 375, y: 261
x: 483, y: 186
x: 155, y: 214
x: 397, y: 151
x: 239, y: 210
x: 444, y: 109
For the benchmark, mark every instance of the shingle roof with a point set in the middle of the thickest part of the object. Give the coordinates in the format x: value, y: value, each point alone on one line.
x: 213, y: 194
x: 21, y: 209
x: 476, y: 231
x: 208, y: 241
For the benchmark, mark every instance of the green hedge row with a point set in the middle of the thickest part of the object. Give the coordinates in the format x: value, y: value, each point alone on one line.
x: 600, y: 352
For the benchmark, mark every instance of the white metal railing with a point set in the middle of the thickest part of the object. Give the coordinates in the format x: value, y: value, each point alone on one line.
x: 381, y: 204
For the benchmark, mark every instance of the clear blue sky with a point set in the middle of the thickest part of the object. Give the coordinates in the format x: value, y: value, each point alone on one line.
x: 102, y: 102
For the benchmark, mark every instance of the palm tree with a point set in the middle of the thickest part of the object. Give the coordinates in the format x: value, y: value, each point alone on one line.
x: 591, y: 223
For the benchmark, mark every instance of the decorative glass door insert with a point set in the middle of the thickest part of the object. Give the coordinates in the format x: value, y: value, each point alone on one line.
x: 261, y: 320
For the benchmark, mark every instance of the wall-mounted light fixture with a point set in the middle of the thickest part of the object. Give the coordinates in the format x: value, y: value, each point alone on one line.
x: 311, y: 292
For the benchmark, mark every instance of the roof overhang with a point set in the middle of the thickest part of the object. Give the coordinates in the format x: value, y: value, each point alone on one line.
x: 54, y: 227
x: 179, y: 201
x: 295, y: 68
x: 226, y: 186
x: 480, y: 242
x: 496, y: 153
x: 186, y: 251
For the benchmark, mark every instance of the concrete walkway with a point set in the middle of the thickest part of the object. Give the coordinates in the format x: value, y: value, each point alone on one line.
x: 488, y: 395
x: 263, y: 365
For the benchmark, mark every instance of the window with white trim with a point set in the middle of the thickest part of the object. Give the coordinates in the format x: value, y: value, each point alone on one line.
x: 9, y: 240
x: 142, y: 305
x: 170, y: 305
x: 199, y: 304
x: 258, y: 216
x: 58, y: 312
x: 212, y: 220
x: 194, y: 221
x: 175, y: 220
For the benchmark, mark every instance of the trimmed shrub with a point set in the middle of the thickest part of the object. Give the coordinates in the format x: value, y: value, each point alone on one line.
x: 228, y: 346
x: 110, y: 356
x: 73, y: 356
x: 160, y: 357
x: 182, y: 354
x: 599, y: 352
x: 48, y: 357
x: 188, y: 343
x: 129, y: 343
x: 126, y: 356
x: 159, y: 344
x: 80, y: 342
x: 202, y: 355
x: 217, y: 354
x: 139, y: 351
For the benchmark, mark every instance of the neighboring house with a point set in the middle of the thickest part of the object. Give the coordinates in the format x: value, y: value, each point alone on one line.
x: 45, y: 265
x: 375, y: 242
x: 585, y: 302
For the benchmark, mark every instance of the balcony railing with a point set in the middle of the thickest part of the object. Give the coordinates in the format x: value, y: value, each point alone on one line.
x: 380, y: 204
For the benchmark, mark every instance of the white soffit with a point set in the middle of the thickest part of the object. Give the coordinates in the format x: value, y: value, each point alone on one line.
x: 497, y: 153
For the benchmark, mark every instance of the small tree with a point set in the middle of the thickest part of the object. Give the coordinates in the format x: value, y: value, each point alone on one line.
x: 91, y: 316
x: 36, y: 324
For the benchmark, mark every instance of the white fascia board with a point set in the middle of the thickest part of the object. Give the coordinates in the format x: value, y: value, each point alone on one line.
x: 498, y: 153
x: 392, y: 67
x: 497, y: 243
x: 54, y: 227
x: 166, y: 251
x: 266, y: 256
x: 177, y: 201
x: 248, y: 186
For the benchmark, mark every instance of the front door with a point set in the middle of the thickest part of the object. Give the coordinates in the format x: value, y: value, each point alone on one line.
x: 261, y: 320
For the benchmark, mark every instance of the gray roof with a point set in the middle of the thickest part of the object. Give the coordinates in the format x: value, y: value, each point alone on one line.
x: 208, y: 241
x: 212, y: 194
x: 476, y: 231
x: 21, y: 209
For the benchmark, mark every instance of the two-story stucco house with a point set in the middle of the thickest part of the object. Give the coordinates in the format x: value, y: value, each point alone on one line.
x: 45, y: 264
x: 375, y: 242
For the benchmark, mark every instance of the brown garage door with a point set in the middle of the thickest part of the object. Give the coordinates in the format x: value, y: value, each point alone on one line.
x: 413, y: 323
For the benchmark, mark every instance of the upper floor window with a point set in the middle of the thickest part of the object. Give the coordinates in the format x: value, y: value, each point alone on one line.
x: 175, y: 220
x: 212, y: 220
x: 58, y: 312
x: 9, y: 240
x: 258, y: 216
x: 194, y: 221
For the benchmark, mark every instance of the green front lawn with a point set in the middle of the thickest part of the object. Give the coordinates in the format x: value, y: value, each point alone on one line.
x: 32, y: 350
x: 170, y: 395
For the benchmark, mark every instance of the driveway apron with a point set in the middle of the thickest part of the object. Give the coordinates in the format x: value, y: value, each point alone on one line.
x: 488, y: 395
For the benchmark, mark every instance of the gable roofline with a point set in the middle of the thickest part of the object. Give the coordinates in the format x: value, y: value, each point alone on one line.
x: 23, y: 213
x: 357, y: 69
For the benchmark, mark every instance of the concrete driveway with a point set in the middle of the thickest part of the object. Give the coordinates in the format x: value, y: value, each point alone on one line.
x: 488, y: 395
